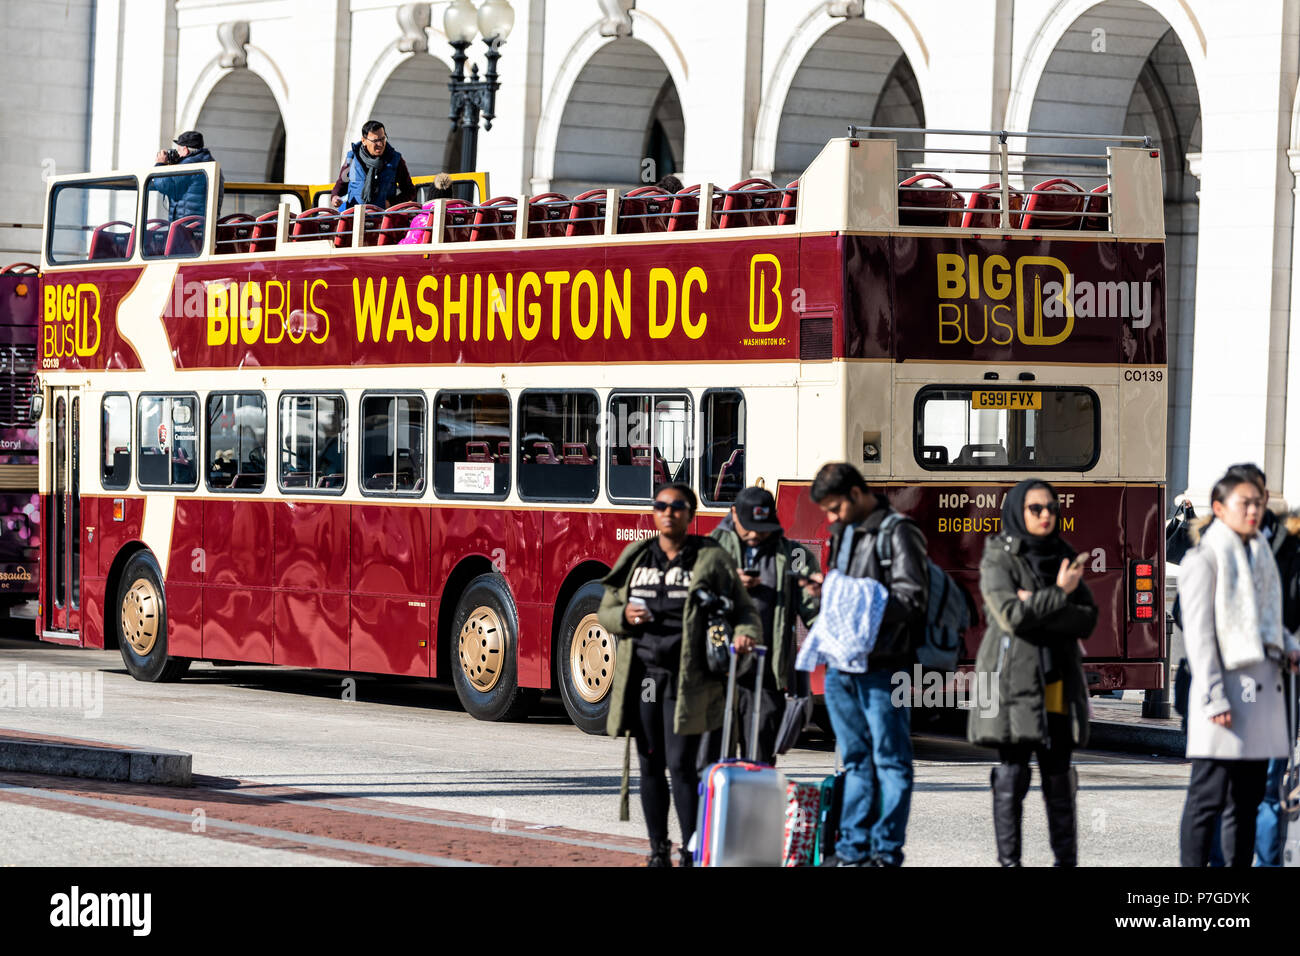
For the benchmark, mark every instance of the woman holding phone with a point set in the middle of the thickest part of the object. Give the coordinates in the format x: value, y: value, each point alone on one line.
x: 1034, y: 697
x: 663, y: 693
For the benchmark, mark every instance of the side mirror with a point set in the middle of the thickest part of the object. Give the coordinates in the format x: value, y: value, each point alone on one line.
x: 38, y: 406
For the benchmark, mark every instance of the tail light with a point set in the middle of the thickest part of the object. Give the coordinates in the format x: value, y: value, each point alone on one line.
x: 1141, y: 590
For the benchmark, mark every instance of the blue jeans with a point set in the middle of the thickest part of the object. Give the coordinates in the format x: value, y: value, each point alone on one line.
x: 1270, y: 826
x: 874, y: 739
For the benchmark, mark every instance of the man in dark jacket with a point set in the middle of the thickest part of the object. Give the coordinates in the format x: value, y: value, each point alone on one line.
x: 873, y: 735
x: 770, y: 566
x: 373, y: 173
x: 186, y: 195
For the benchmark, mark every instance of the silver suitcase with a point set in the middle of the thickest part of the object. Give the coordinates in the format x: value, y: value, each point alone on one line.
x: 741, y: 819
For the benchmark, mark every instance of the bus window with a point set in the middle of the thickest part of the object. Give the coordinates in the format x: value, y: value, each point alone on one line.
x: 313, y: 443
x: 392, y: 444
x: 1044, y: 428
x: 175, y: 211
x: 649, y: 443
x: 471, y: 455
x: 722, y: 473
x: 166, y: 455
x: 92, y: 221
x: 115, y: 442
x: 558, y: 453
x: 237, y: 442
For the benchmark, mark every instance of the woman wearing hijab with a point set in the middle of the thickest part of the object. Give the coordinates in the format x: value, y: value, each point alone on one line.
x: 1038, y: 610
x: 1231, y: 599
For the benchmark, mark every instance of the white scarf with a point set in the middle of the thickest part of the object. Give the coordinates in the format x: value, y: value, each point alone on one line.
x: 1247, y: 596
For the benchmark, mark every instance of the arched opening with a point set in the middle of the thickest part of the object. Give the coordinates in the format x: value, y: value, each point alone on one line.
x: 242, y: 126
x: 1120, y: 68
x: 413, y: 106
x: 855, y: 73
x: 622, y: 124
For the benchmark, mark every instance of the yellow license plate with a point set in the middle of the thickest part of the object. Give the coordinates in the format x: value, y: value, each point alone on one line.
x: 1008, y: 400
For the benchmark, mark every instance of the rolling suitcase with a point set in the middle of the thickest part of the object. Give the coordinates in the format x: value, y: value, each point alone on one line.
x: 741, y: 819
x: 828, y: 821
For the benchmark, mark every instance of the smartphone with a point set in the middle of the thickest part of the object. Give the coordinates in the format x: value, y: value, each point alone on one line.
x: 1080, y: 559
x: 640, y: 602
x: 750, y: 570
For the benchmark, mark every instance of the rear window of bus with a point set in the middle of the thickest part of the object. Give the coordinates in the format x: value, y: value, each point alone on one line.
x: 979, y: 428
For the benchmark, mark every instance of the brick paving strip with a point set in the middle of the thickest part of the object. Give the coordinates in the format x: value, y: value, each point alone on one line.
x: 355, y: 829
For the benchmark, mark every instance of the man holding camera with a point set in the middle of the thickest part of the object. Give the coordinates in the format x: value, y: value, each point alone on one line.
x: 186, y: 195
x: 770, y: 568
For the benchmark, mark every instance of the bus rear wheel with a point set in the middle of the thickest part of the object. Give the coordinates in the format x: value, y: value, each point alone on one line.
x: 584, y: 660
x: 142, y: 623
x: 484, y: 652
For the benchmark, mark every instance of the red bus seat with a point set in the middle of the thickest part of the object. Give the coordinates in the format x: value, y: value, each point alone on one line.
x: 234, y: 234
x: 477, y: 451
x: 987, y: 454
x: 155, y: 237
x: 789, y: 205
x: 458, y: 224
x: 686, y: 210
x: 503, y: 451
x: 109, y: 241
x: 264, y: 227
x: 644, y: 209
x: 544, y: 453
x: 185, y: 237
x: 20, y: 269
x: 575, y: 453
x: 990, y: 198
x: 547, y: 214
x: 751, y: 202
x: 941, y: 206
x: 317, y: 223
x: 394, y: 224
x: 495, y: 219
x: 343, y: 228
x: 1054, y: 196
x: 1095, y: 208
x: 587, y: 214
x: 730, y: 475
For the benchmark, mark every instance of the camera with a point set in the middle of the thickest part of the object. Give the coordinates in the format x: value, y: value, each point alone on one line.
x: 172, y: 156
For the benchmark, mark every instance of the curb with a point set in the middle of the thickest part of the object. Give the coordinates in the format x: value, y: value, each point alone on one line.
x: 1137, y: 738
x: 119, y: 764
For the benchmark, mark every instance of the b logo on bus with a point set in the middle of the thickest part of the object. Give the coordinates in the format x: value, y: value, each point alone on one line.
x: 71, y: 325
x: 764, y: 292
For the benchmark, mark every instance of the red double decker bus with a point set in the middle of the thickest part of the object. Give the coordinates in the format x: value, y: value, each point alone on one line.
x: 19, y: 504
x: 320, y: 446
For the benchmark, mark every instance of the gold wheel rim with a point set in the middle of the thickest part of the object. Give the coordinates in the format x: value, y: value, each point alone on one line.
x: 482, y: 648
x: 140, y: 616
x: 591, y: 660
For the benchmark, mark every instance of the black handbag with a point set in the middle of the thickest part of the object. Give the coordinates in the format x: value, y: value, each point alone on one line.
x: 1178, y: 533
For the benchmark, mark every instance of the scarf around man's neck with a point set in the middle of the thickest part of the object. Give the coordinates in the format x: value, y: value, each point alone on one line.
x: 372, y: 165
x: 1247, y: 596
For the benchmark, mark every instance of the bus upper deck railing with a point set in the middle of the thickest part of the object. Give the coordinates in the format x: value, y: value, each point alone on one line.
x: 926, y: 198
x: 1009, y: 190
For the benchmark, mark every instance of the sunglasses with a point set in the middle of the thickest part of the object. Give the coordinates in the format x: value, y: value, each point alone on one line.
x: 1052, y: 508
x: 677, y: 505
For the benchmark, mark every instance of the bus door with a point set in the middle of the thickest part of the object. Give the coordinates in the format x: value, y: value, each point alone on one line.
x: 63, y: 513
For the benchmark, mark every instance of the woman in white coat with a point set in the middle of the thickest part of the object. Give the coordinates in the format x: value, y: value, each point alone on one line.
x: 1232, y: 625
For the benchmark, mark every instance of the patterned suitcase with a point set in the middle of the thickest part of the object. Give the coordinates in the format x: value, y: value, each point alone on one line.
x: 741, y: 818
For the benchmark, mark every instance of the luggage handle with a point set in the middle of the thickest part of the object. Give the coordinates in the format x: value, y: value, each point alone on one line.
x: 761, y: 651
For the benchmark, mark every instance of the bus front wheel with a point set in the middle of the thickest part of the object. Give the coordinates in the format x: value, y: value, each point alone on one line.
x: 584, y: 660
x: 142, y: 623
x: 484, y: 652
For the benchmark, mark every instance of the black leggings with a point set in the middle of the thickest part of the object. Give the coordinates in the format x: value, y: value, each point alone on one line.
x: 1051, y: 760
x: 659, y: 749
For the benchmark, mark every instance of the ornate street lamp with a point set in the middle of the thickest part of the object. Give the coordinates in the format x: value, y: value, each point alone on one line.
x: 472, y: 96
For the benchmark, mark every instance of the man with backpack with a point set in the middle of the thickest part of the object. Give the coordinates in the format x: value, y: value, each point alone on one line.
x: 873, y: 735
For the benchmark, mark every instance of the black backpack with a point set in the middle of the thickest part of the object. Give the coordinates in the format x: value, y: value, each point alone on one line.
x: 949, y: 610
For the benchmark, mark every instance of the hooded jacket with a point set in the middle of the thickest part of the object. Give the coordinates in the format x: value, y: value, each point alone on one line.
x: 789, y: 595
x: 1021, y: 635
x: 188, y: 195
x: 701, y: 696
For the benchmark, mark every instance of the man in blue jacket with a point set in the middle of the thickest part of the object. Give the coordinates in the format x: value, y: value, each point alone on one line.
x: 186, y: 195
x: 373, y: 173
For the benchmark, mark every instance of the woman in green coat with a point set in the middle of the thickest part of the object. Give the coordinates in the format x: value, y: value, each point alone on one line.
x: 663, y: 693
x: 1038, y: 610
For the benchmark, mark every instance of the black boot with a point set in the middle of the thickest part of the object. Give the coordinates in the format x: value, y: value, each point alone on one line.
x: 1058, y: 794
x: 661, y: 853
x: 1010, y: 784
x: 685, y: 857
